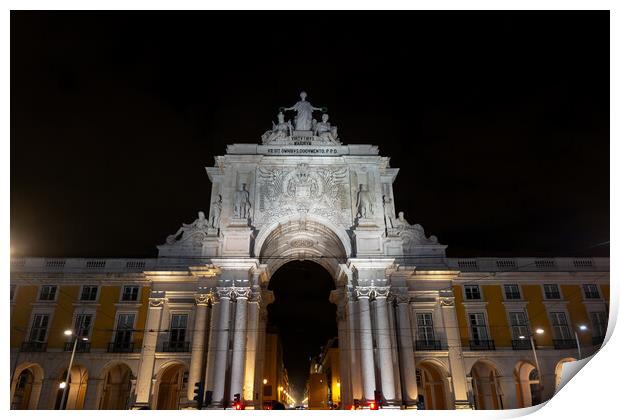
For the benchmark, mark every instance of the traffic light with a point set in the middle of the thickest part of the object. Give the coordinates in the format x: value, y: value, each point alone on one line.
x: 372, y: 405
x: 237, y: 404
x: 199, y: 393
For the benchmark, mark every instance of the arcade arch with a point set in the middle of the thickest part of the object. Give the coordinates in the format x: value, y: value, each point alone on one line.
x: 559, y: 367
x: 116, y: 387
x: 169, y: 386
x: 528, y: 384
x: 76, y: 389
x: 485, y: 383
x: 26, y: 387
x: 433, y: 386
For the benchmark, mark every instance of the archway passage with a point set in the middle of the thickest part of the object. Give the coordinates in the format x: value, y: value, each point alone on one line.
x: 487, y: 392
x: 76, y: 389
x: 302, y: 316
x: 170, y: 386
x: 528, y: 381
x: 431, y: 386
x: 116, y: 388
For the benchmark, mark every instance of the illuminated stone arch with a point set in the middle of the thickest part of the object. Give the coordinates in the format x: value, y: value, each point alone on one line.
x: 310, y: 238
x: 26, y: 386
x: 485, y: 376
x: 76, y: 388
x: 432, y: 380
x: 527, y: 379
x: 116, y: 386
x: 169, y: 385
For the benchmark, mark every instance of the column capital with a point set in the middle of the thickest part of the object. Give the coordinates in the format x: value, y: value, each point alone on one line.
x: 381, y: 292
x: 372, y: 292
x: 401, y: 299
x: 203, y: 299
x: 223, y: 293
x: 157, y: 302
x: 363, y: 292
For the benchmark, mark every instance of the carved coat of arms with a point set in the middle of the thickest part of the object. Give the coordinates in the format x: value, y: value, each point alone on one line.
x: 285, y: 191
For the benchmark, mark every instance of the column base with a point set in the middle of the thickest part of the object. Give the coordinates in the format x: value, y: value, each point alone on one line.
x: 462, y: 405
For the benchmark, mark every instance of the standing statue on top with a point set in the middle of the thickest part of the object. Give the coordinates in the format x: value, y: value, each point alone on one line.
x: 242, y: 203
x: 303, y: 120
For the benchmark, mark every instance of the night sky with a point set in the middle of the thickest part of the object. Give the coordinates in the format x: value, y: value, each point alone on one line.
x: 499, y: 121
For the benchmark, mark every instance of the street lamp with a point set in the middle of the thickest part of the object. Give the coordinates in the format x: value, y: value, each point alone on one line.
x: 63, y: 385
x: 538, y: 331
x: 580, y: 328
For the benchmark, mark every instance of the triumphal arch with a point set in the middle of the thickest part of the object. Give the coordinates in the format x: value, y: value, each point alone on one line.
x: 303, y: 194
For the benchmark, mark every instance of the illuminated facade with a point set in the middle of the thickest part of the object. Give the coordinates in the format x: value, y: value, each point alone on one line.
x: 411, y: 322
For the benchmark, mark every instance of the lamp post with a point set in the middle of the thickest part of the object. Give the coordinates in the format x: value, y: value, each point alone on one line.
x: 65, y: 385
x: 539, y: 331
x: 580, y: 328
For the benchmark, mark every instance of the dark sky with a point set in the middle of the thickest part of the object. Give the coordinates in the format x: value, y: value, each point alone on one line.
x: 499, y: 121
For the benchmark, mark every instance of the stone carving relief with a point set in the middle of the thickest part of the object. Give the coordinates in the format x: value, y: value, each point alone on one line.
x: 197, y: 229
x: 286, y: 191
x: 242, y: 204
x: 301, y: 243
x: 364, y: 203
x: 412, y: 235
x: 216, y: 212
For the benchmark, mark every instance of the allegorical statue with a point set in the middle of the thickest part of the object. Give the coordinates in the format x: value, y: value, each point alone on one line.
x: 281, y: 130
x: 388, y: 214
x: 325, y: 130
x: 242, y: 203
x: 216, y: 212
x: 303, y: 120
x: 364, y: 203
x: 201, y: 224
x: 412, y: 234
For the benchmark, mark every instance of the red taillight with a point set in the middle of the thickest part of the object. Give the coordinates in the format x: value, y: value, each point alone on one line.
x: 373, y: 405
x: 238, y: 406
x: 351, y: 407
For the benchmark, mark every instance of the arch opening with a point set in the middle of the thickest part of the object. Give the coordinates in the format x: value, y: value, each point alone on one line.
x: 170, y: 387
x: 26, y: 386
x: 76, y: 389
x: 116, y: 388
x: 432, y: 386
x: 486, y: 387
x: 303, y: 321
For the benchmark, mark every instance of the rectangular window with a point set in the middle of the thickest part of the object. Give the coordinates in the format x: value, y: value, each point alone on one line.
x: 591, y: 291
x: 124, y: 330
x: 560, y: 326
x: 472, y: 292
x: 478, y: 327
x: 552, y: 291
x: 89, y: 293
x: 512, y: 291
x: 38, y: 331
x: 599, y: 324
x: 47, y: 292
x: 178, y: 328
x: 130, y: 293
x: 426, y: 332
x: 518, y: 324
x: 83, y: 324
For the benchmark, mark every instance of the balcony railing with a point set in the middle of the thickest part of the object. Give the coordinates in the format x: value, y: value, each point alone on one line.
x: 175, y: 347
x: 597, y: 341
x: 82, y: 346
x: 481, y: 345
x: 33, y: 346
x: 522, y: 344
x: 564, y: 344
x: 427, y: 345
x: 120, y: 347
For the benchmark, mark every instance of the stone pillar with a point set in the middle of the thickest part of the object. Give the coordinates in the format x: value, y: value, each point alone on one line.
x: 153, y: 322
x: 210, y: 368
x: 198, y: 343
x: 455, y: 351
x: 407, y: 361
x: 93, y: 391
x: 221, y: 346
x: 354, y: 348
x: 508, y: 392
x: 384, y: 344
x: 252, y: 349
x: 366, y: 345
x: 239, y: 340
x: 47, y: 398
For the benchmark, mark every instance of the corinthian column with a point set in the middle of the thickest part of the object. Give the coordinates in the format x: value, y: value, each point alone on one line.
x: 153, y: 322
x: 407, y: 361
x: 198, y: 343
x: 221, y: 347
x: 252, y: 348
x: 366, y: 350
x: 239, y: 340
x: 384, y: 344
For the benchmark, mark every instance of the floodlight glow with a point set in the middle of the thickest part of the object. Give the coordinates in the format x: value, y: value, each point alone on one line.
x: 583, y: 327
x: 62, y: 385
x: 68, y: 332
x: 540, y: 331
